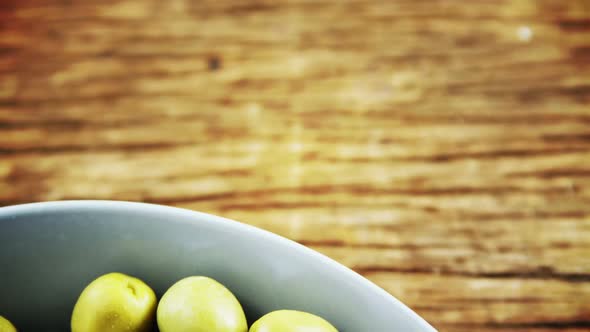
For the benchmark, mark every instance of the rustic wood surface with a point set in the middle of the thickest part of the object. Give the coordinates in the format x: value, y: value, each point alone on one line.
x: 440, y: 148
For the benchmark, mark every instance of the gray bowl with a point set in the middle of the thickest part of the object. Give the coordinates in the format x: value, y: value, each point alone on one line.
x: 50, y: 251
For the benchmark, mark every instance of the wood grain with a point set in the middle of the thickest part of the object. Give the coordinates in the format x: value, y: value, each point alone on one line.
x: 440, y: 148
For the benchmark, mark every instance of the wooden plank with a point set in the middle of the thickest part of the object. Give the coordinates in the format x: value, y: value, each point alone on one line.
x: 503, y: 303
x: 439, y: 148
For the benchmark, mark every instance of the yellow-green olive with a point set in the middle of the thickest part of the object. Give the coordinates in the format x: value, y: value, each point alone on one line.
x: 115, y: 302
x: 291, y: 321
x: 6, y: 325
x: 200, y: 304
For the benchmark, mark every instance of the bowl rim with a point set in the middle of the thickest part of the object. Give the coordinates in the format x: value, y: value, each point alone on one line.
x: 192, y: 215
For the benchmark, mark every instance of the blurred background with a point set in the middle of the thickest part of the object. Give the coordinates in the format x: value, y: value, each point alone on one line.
x: 439, y: 148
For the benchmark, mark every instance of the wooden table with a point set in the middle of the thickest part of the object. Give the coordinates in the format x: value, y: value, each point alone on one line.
x: 440, y: 148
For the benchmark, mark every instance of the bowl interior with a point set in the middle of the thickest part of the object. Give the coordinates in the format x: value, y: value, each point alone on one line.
x: 50, y: 251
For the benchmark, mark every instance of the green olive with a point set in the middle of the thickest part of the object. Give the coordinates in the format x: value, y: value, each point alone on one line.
x: 6, y: 325
x: 115, y: 302
x: 291, y: 321
x: 200, y: 304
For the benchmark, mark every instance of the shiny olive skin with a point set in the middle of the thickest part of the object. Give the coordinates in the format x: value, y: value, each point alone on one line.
x: 115, y: 302
x: 200, y: 304
x: 291, y: 321
x: 6, y: 325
